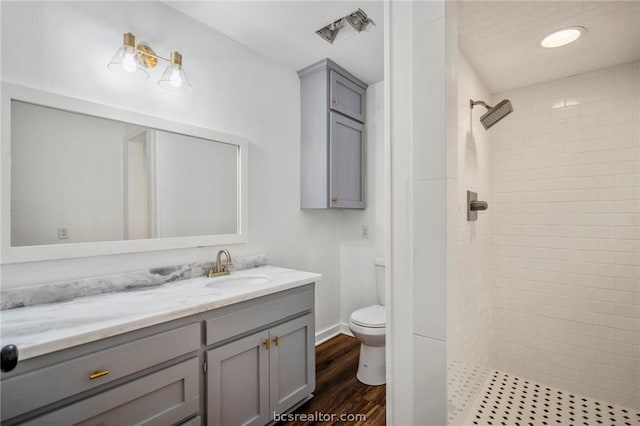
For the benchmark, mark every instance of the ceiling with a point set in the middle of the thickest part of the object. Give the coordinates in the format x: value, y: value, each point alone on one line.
x: 285, y: 31
x: 501, y: 39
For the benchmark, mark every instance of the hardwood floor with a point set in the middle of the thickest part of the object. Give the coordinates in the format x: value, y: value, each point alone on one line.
x: 337, y: 389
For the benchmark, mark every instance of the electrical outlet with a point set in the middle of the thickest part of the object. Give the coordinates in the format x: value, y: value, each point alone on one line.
x: 364, y: 231
x: 63, y: 232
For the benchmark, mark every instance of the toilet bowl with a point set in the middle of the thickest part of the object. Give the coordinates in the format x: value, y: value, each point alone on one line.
x: 368, y: 325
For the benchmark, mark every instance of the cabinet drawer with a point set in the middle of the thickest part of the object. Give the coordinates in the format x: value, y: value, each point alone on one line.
x: 38, y: 388
x: 257, y: 316
x: 161, y: 398
x: 347, y: 97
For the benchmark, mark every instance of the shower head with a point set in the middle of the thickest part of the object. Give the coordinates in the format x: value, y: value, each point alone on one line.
x: 493, y: 114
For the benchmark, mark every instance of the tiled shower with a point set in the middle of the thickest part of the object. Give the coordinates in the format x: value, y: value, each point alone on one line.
x: 544, y: 291
x: 565, y: 234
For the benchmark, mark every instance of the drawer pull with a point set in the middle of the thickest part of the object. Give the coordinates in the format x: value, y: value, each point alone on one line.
x: 8, y: 357
x: 335, y: 100
x: 266, y: 344
x: 277, y: 341
x: 98, y: 374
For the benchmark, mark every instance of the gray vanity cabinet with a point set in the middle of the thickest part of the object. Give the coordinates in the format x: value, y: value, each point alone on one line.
x: 146, y: 376
x: 238, y: 382
x: 332, y: 137
x: 261, y: 359
x: 291, y: 363
x: 165, y: 397
x: 250, y: 359
x: 267, y: 372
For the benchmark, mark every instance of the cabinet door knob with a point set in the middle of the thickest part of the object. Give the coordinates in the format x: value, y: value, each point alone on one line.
x: 335, y: 100
x: 8, y: 357
x: 98, y: 374
x: 334, y: 200
x: 276, y: 341
x: 266, y: 344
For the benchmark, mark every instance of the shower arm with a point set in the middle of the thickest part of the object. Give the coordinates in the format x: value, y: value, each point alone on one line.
x: 473, y: 103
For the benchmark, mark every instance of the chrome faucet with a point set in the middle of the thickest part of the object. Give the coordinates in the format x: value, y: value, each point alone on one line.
x: 220, y: 268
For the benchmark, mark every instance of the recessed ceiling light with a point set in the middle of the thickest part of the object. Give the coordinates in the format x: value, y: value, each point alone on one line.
x: 562, y: 37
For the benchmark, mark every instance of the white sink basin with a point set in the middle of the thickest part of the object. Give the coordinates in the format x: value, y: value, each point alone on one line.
x: 238, y: 281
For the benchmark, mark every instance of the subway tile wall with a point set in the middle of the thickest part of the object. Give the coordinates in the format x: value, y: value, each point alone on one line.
x: 565, y: 226
x: 469, y: 340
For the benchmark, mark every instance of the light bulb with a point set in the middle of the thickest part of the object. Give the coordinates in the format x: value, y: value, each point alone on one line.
x: 175, y: 80
x: 174, y: 77
x: 562, y: 37
x: 129, y: 62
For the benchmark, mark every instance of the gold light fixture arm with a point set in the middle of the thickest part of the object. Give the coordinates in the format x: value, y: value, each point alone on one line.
x: 148, y: 56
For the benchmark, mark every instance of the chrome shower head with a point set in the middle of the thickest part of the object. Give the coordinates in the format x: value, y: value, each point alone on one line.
x: 493, y: 114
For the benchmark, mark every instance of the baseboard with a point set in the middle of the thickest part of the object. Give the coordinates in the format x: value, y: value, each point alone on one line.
x: 344, y: 329
x: 331, y: 332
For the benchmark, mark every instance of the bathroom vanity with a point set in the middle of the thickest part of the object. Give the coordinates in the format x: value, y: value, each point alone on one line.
x: 218, y: 351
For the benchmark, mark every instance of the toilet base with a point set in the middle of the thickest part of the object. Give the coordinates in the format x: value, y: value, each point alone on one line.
x: 371, y: 365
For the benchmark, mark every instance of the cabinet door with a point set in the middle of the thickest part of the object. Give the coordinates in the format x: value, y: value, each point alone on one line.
x: 347, y: 97
x: 292, y: 363
x: 238, y: 382
x: 347, y: 163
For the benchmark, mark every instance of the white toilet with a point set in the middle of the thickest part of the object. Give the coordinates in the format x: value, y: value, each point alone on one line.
x: 369, y: 326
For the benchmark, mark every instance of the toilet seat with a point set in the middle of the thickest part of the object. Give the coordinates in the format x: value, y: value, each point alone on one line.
x: 372, y: 317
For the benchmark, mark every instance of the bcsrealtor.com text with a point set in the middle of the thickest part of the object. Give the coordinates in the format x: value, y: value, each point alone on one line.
x: 319, y: 416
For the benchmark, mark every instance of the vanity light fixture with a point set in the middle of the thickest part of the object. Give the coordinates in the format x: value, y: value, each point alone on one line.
x: 358, y: 21
x: 562, y: 37
x: 134, y: 59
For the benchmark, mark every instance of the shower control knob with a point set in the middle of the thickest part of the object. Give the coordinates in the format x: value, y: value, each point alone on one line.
x: 478, y: 205
x: 8, y: 357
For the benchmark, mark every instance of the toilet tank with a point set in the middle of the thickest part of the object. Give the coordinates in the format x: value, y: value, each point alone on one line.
x: 379, y: 263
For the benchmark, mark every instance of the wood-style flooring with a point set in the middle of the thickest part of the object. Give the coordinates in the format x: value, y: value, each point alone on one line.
x: 337, y: 389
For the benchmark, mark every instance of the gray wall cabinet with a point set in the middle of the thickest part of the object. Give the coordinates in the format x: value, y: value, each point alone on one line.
x: 159, y: 375
x: 332, y: 137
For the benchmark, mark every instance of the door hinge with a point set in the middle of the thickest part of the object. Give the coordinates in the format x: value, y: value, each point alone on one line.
x: 204, y: 366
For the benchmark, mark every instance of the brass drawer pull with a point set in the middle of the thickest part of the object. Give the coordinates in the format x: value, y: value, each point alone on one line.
x: 98, y: 374
x: 335, y: 100
x: 266, y: 344
x: 276, y: 341
x: 334, y: 200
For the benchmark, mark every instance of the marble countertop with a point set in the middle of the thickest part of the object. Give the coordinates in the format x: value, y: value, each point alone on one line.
x: 41, y: 329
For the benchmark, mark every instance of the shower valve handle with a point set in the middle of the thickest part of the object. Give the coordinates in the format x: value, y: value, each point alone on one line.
x: 478, y: 205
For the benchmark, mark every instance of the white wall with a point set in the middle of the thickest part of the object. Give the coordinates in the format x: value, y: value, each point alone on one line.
x: 357, y: 254
x: 565, y: 208
x: 66, y: 172
x: 469, y: 350
x: 63, y: 47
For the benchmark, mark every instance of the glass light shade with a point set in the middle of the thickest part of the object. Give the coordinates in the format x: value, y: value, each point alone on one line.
x: 127, y: 62
x: 562, y: 37
x: 174, y: 78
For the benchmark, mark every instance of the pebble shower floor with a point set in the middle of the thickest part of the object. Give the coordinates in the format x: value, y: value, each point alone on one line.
x: 507, y: 400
